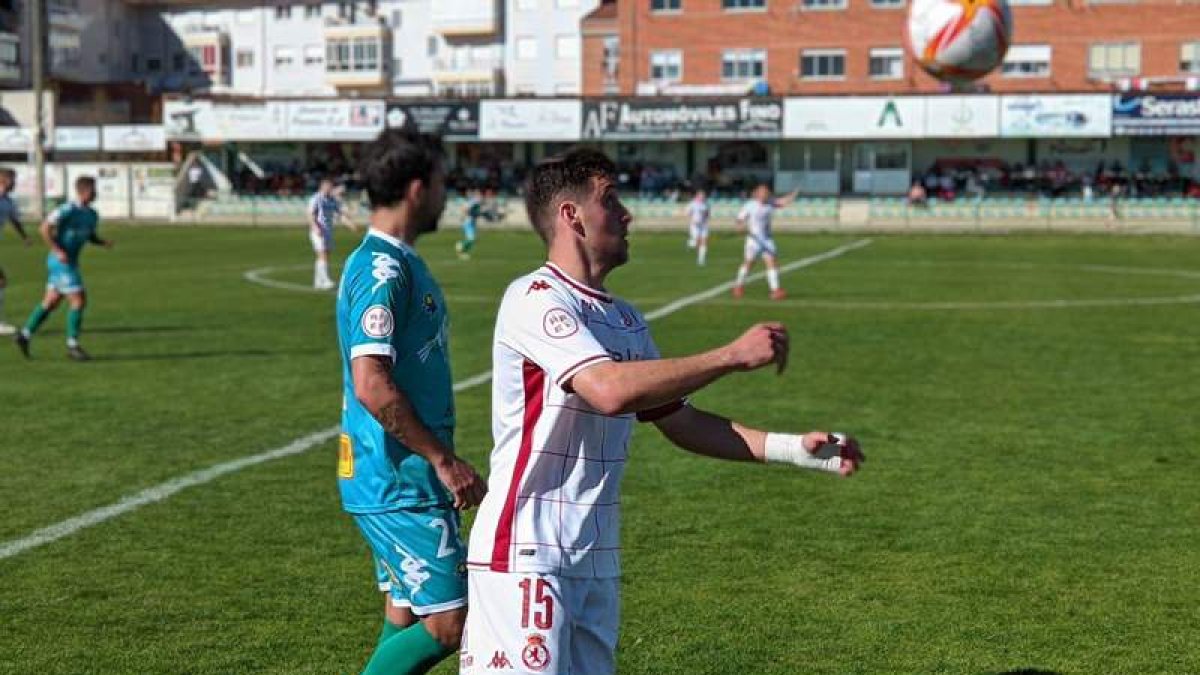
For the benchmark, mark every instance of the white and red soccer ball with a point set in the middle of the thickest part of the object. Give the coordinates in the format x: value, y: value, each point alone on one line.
x: 959, y: 40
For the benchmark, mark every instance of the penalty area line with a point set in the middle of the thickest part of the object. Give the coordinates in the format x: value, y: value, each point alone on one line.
x: 168, y: 489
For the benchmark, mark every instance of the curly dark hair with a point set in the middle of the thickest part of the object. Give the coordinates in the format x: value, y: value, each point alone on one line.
x: 565, y: 176
x: 394, y: 160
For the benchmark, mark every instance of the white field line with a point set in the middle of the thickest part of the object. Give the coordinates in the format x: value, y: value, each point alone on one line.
x: 162, y: 491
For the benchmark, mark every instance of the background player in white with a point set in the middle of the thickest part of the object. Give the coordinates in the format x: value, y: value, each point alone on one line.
x: 755, y: 219
x: 698, y: 212
x: 8, y: 214
x: 573, y: 367
x: 324, y: 210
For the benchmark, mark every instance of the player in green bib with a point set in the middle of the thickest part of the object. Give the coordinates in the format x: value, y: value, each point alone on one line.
x: 66, y: 231
x: 398, y: 474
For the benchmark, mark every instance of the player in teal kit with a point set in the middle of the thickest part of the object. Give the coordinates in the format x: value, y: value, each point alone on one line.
x: 66, y: 231
x: 398, y: 474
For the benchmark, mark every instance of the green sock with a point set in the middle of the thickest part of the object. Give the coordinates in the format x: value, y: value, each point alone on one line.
x: 36, y: 319
x: 74, y: 324
x: 467, y: 245
x: 408, y: 652
x: 389, y: 629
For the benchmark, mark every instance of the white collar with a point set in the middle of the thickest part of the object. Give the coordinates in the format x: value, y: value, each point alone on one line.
x: 372, y: 232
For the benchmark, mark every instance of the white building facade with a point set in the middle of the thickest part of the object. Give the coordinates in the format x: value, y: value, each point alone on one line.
x: 544, y: 46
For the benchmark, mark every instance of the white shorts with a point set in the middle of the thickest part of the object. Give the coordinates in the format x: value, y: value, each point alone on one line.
x: 759, y: 246
x: 698, y: 230
x: 540, y: 624
x: 322, y: 242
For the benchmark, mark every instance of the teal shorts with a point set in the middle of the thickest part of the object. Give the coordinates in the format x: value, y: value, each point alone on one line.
x: 63, y: 277
x: 420, y: 558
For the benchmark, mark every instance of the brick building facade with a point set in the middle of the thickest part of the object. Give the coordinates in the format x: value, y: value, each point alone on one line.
x: 801, y: 47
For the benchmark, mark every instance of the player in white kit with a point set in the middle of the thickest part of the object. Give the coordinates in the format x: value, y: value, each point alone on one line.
x: 8, y: 214
x: 574, y: 367
x: 698, y: 212
x: 755, y: 219
x: 324, y: 210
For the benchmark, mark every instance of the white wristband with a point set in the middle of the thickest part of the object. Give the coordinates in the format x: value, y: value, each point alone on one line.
x: 790, y: 448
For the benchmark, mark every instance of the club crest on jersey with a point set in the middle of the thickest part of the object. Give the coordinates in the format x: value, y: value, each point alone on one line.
x: 429, y: 304
x: 384, y: 268
x: 559, y: 323
x: 538, y: 286
x: 377, y: 322
x: 536, y: 655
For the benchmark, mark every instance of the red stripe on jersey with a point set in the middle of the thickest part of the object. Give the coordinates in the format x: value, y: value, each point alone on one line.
x: 535, y: 379
x: 576, y: 285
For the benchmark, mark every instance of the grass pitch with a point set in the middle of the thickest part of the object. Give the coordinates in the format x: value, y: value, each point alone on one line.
x: 1028, y: 406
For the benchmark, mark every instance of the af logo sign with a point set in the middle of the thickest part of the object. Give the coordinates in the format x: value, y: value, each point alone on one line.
x: 536, y: 655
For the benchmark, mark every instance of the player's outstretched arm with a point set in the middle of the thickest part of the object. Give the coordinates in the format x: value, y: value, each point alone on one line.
x: 616, y: 388
x: 711, y: 435
x: 375, y: 390
x: 788, y: 198
x: 99, y: 241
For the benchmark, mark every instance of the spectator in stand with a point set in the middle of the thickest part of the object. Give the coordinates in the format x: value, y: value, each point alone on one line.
x: 917, y: 196
x: 946, y: 187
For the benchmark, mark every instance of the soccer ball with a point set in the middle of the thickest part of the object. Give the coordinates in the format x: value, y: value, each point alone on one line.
x: 959, y: 40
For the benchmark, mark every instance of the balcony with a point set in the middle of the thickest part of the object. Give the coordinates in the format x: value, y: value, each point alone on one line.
x: 356, y: 55
x: 466, y: 18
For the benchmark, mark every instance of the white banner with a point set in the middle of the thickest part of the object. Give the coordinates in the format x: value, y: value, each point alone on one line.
x: 1056, y: 115
x: 962, y: 116
x: 77, y: 139
x: 530, y: 120
x: 27, y: 183
x: 334, y: 120
x: 153, y: 190
x: 202, y: 120
x: 16, y: 140
x: 112, y: 187
x: 854, y: 117
x: 133, y: 138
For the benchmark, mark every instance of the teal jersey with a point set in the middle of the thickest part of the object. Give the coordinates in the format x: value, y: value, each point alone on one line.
x: 389, y: 305
x: 74, y: 226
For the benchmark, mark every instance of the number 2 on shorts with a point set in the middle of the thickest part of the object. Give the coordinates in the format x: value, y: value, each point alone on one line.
x: 543, y: 619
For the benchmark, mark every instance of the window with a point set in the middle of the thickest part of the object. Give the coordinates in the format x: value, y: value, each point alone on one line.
x: 283, y: 12
x: 743, y: 4
x: 1189, y: 57
x: 1027, y: 61
x: 431, y: 45
x: 743, y: 64
x: 397, y: 19
x: 314, y: 55
x: 526, y: 48
x: 666, y: 66
x: 153, y: 65
x: 366, y: 54
x: 245, y: 58
x: 1114, y: 59
x: 823, y: 64
x: 284, y: 56
x: 312, y: 10
x: 665, y: 5
x: 347, y: 54
x: 886, y: 63
x: 895, y: 4
x: 566, y: 46
x: 337, y: 56
x: 824, y: 4
x: 346, y: 10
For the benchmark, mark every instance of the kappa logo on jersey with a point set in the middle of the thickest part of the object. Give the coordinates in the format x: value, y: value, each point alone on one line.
x: 500, y: 660
x: 377, y: 322
x: 384, y: 268
x: 413, y: 567
x: 538, y: 286
x: 559, y: 323
x: 536, y: 655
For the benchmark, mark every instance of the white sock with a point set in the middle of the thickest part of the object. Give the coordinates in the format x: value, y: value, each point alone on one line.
x: 773, y: 278
x: 322, y: 274
x: 741, y: 276
x: 701, y: 253
x: 72, y: 343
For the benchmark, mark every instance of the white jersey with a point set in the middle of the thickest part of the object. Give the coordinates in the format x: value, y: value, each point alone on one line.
x: 325, y: 211
x: 556, y: 466
x: 699, y: 212
x: 8, y: 211
x: 757, y: 216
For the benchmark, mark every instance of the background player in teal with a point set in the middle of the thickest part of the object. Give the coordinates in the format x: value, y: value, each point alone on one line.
x: 8, y: 214
x: 66, y: 231
x: 397, y: 471
x: 472, y: 212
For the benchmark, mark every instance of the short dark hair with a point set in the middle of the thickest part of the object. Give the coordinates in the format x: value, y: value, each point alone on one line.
x: 85, y: 182
x: 567, y: 175
x: 394, y: 160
